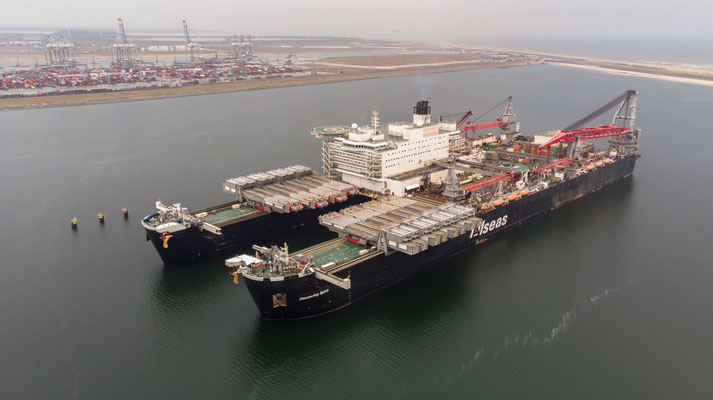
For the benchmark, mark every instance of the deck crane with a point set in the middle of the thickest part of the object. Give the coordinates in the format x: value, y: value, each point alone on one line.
x: 505, y: 119
x: 622, y: 126
x: 470, y: 187
x: 191, y: 48
x: 463, y: 117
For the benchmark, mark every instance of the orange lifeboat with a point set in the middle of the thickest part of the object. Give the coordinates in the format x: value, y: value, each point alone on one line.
x: 512, y: 196
x: 598, y: 164
x: 524, y: 192
x: 485, y: 206
x: 498, y: 202
x: 607, y: 160
x: 590, y: 167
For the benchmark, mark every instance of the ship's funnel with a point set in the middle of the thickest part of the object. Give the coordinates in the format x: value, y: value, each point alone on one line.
x: 421, y: 113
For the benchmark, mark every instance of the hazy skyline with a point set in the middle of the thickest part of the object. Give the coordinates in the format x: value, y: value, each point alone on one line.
x: 400, y: 19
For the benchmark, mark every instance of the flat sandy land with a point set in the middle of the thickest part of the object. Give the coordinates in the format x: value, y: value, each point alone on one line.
x: 695, y: 74
x: 405, y: 60
x: 700, y: 80
x: 356, y: 74
x: 689, y: 73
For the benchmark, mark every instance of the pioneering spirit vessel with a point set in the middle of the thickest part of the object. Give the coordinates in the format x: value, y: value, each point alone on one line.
x: 436, y: 192
x: 265, y: 205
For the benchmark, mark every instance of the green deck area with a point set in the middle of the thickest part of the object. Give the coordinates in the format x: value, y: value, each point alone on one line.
x: 229, y: 213
x: 343, y: 251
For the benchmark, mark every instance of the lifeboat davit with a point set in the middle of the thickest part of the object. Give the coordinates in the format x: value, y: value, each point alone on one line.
x: 512, y: 196
x: 524, y: 192
x: 598, y: 164
x: 590, y: 167
x: 607, y: 160
x: 498, y: 202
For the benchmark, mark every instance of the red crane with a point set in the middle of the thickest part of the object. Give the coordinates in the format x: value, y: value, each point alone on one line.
x: 505, y: 119
x: 575, y: 130
x: 485, y: 182
x: 590, y: 132
x: 460, y: 120
x: 483, y: 125
x: 552, y: 165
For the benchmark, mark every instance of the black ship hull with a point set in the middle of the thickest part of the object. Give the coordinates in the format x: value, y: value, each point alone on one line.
x: 308, y: 296
x: 193, y: 244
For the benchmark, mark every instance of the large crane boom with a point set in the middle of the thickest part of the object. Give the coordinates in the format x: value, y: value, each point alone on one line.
x: 122, y: 32
x: 505, y: 119
x: 190, y: 46
x: 484, y: 125
x: 469, y: 187
x: 552, y: 165
x: 185, y: 32
x: 463, y: 116
x: 462, y: 119
x: 601, y: 110
x: 590, y: 132
x: 625, y: 114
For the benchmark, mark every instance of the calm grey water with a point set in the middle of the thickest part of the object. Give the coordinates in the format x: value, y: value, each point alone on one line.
x: 607, y: 297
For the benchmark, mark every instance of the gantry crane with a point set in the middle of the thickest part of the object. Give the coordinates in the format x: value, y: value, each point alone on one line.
x: 123, y: 51
x: 192, y: 49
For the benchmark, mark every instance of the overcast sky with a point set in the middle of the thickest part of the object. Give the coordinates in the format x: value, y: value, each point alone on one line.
x: 436, y: 19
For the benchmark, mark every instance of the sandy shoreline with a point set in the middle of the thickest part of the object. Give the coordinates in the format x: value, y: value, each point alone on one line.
x: 693, y: 81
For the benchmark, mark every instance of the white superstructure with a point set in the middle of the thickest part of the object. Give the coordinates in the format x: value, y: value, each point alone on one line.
x: 376, y: 157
